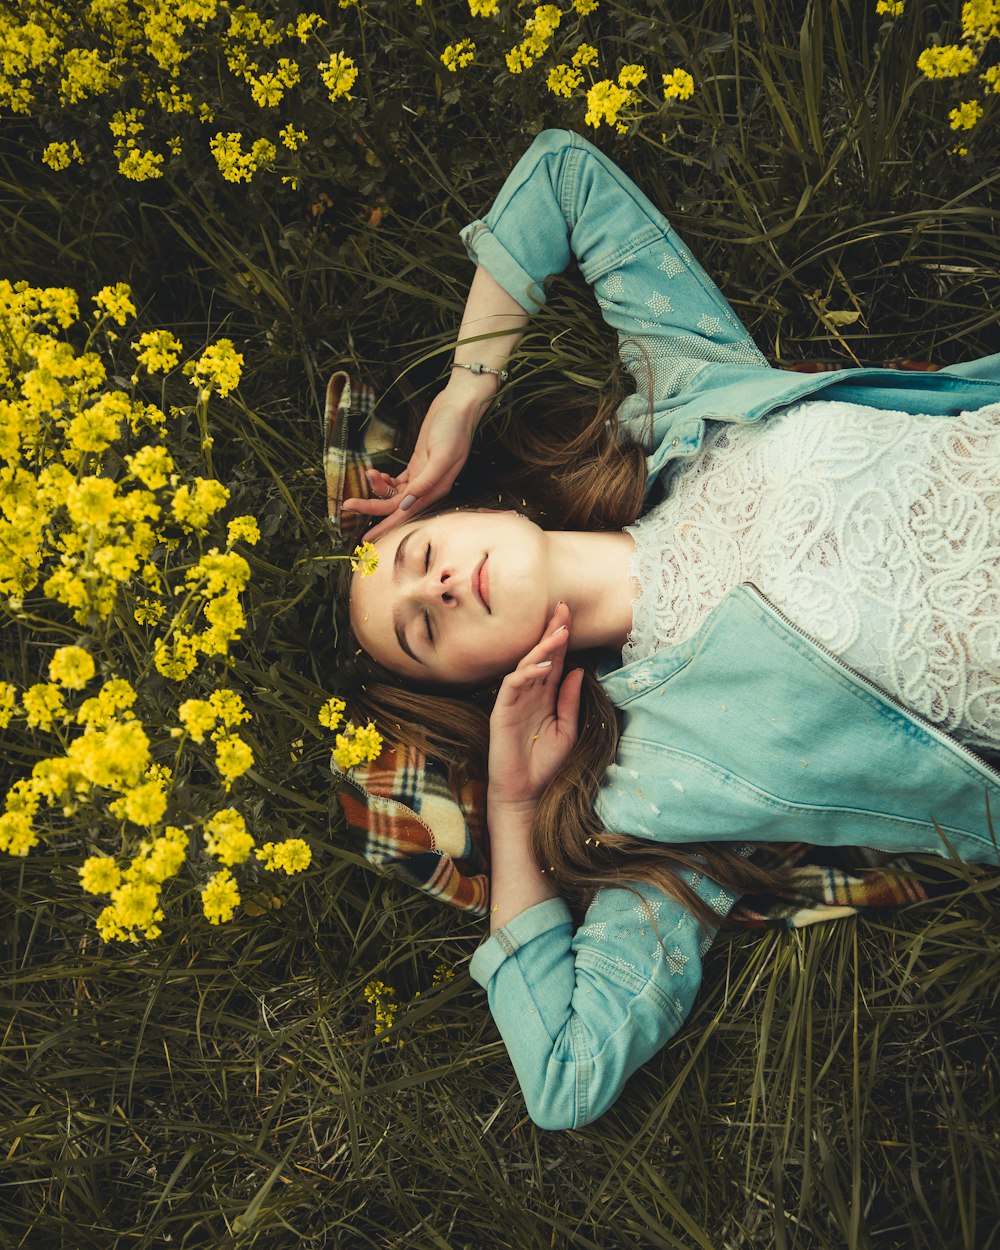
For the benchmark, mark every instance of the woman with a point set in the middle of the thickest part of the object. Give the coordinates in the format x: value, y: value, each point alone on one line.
x: 800, y: 634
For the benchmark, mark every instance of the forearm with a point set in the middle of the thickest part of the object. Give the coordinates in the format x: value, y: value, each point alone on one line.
x: 516, y: 880
x: 491, y: 312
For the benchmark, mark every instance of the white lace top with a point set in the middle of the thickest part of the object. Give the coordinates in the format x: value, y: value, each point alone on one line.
x: 877, y: 533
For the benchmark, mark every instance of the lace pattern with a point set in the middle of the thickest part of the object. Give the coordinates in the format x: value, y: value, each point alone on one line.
x: 877, y: 533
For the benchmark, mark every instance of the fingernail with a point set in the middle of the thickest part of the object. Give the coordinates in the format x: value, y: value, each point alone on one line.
x: 544, y: 664
x: 407, y: 502
x: 560, y: 630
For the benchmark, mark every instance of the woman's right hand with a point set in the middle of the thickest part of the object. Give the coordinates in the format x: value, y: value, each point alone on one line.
x: 440, y: 453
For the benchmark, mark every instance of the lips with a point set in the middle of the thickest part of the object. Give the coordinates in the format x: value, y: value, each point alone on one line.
x: 481, y: 584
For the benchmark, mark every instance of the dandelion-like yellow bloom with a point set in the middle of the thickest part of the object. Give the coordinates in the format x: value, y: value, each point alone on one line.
x: 966, y: 115
x: 99, y: 875
x: 457, y: 55
x: 92, y: 502
x: 678, y: 85
x: 339, y: 74
x: 71, y: 667
x: 220, y: 898
x: 291, y: 856
x: 332, y: 713
x: 145, y: 804
x: 364, y: 559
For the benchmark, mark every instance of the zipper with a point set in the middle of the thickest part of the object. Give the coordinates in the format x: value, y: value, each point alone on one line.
x: 938, y: 734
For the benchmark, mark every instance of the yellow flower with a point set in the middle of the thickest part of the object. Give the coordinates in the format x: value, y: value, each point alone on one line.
x: 152, y: 466
x: 357, y: 746
x: 229, y: 708
x: 992, y: 78
x: 99, y: 875
x: 292, y: 138
x: 61, y: 155
x: 891, y: 8
x: 332, y: 712
x: 483, y: 8
x: 631, y: 75
x: 382, y: 997
x: 292, y: 855
x: 8, y: 702
x: 243, y: 528
x: 604, y: 101
x: 16, y: 834
x: 145, y: 804
x: 364, y: 559
x: 678, y: 85
x: 948, y: 61
x: 563, y: 80
x: 234, y: 164
x: 219, y: 366
x: 227, y: 838
x: 457, y: 55
x: 966, y: 115
x: 194, y: 505
x: 586, y: 54
x: 233, y: 757
x: 43, y: 705
x: 159, y: 351
x: 583, y: 7
x: 72, y: 667
x: 220, y: 898
x: 91, y: 501
x: 116, y: 302
x: 339, y: 75
x: 980, y: 20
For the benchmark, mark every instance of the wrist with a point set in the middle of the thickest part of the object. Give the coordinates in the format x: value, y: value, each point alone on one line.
x: 475, y: 387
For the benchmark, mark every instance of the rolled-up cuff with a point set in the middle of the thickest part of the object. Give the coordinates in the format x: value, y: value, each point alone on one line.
x: 486, y: 249
x: 530, y: 924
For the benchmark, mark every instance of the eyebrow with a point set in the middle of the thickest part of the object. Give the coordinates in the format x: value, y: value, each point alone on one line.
x: 397, y: 620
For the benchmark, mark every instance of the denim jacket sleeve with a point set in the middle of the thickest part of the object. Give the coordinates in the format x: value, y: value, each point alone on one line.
x: 579, y: 1013
x: 565, y: 200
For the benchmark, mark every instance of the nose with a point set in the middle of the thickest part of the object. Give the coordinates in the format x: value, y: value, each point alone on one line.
x: 437, y: 587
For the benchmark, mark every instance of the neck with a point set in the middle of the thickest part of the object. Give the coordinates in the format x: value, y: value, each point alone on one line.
x: 590, y: 573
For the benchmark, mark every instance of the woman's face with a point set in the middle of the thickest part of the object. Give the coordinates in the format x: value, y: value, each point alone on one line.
x: 458, y: 597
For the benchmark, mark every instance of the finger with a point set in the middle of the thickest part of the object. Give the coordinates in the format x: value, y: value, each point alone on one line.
x: 568, y: 704
x: 370, y: 507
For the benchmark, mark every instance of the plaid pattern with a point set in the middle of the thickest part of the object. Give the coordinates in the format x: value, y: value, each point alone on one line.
x: 354, y: 436
x: 412, y: 824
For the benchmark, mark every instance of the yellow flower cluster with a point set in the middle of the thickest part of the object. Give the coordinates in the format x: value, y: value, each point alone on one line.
x: 217, y: 716
x: 339, y: 74
x: 354, y: 746
x: 235, y: 164
x: 980, y: 25
x: 538, y: 32
x: 483, y: 8
x: 457, y: 55
x: 291, y: 856
x: 383, y: 998
x: 219, y: 367
x: 890, y: 8
x: 564, y: 79
x: 364, y: 560
x: 678, y: 85
x: 79, y: 56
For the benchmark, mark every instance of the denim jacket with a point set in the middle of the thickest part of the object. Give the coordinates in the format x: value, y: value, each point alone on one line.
x: 713, y: 748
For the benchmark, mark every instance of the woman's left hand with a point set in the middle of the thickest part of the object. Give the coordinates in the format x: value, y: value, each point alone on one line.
x: 533, y: 727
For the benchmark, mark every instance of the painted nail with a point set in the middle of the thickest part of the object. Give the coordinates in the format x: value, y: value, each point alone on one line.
x: 407, y: 502
x: 560, y: 630
x: 544, y: 664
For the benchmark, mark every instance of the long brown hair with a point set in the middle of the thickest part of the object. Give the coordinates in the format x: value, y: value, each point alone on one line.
x: 570, y: 467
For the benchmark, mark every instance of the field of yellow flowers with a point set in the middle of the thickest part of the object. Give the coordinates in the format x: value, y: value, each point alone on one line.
x: 218, y: 1026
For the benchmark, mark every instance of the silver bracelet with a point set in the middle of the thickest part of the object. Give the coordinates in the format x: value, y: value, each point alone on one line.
x: 477, y: 367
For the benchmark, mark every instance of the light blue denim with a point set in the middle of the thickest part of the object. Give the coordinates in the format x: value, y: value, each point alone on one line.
x: 748, y: 730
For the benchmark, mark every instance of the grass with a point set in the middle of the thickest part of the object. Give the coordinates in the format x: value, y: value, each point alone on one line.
x: 834, y: 1087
